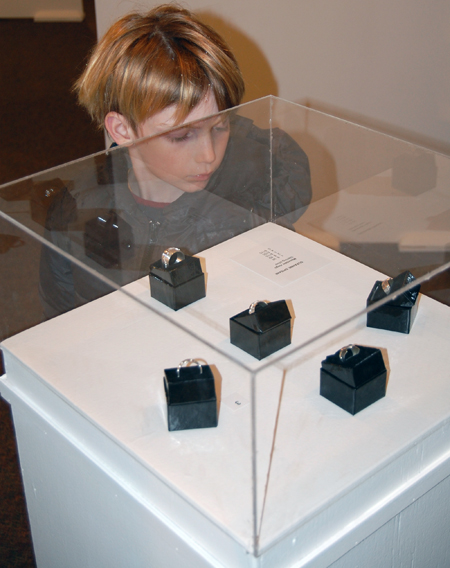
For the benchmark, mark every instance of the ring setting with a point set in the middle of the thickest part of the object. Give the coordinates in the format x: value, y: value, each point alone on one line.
x: 172, y: 256
x: 186, y: 363
x: 386, y: 285
x: 348, y: 351
x: 253, y: 305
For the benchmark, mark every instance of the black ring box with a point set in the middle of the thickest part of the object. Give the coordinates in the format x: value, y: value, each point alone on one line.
x: 178, y: 285
x: 108, y: 239
x: 356, y: 382
x: 265, y: 331
x: 191, y: 397
x: 399, y: 313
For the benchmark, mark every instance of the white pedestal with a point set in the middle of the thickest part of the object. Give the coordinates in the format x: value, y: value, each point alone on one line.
x: 107, y: 484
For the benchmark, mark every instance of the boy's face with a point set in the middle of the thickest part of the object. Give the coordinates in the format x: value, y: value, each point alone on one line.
x: 186, y: 157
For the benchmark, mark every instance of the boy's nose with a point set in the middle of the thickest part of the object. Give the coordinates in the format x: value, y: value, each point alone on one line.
x: 205, y: 151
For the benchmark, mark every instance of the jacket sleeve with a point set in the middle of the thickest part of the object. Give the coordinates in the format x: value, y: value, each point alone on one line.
x: 253, y: 158
x: 291, y: 176
x: 56, y: 285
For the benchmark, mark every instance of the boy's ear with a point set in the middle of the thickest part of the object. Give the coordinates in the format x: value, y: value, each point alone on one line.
x: 118, y: 128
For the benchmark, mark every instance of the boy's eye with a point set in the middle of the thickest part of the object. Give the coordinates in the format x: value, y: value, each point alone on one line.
x: 222, y: 126
x: 179, y: 135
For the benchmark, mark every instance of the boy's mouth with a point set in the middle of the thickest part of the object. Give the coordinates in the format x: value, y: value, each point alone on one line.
x: 201, y: 177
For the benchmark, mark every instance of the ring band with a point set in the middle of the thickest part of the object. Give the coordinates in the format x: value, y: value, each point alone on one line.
x: 253, y: 305
x: 171, y: 256
x: 344, y: 352
x: 386, y: 285
x: 186, y: 363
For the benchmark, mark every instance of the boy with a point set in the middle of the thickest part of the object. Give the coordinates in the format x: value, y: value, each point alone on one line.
x: 187, y: 177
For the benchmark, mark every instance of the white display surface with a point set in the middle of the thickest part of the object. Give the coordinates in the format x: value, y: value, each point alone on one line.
x: 322, y: 474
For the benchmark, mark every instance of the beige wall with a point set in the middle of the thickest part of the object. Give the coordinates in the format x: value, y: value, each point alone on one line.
x: 43, y: 10
x: 385, y: 64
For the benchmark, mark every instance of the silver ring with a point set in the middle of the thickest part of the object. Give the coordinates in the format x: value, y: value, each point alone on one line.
x: 344, y: 352
x: 171, y: 256
x: 186, y: 363
x: 253, y: 305
x: 386, y: 285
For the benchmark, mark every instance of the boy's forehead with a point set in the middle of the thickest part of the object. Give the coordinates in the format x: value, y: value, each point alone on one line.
x: 167, y: 118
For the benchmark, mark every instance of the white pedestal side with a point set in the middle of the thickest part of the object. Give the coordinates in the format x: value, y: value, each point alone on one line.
x: 107, y: 484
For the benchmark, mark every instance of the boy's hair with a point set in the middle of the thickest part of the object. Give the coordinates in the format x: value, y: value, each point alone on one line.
x: 147, y: 62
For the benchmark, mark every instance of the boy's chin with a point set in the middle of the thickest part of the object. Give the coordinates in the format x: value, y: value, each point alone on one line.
x: 193, y: 187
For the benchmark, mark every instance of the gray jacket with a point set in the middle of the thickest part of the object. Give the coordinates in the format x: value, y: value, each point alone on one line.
x: 237, y: 198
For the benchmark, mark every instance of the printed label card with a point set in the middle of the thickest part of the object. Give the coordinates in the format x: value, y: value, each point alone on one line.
x: 281, y: 261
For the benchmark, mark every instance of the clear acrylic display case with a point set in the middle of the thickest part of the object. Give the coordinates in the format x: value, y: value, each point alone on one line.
x: 279, y: 202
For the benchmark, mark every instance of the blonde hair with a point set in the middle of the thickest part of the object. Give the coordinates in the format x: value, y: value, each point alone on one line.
x: 147, y: 62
